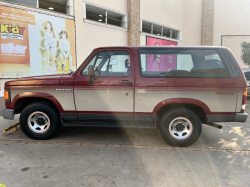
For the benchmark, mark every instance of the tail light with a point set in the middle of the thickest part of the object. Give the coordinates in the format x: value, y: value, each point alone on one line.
x: 7, y: 95
x: 244, y: 101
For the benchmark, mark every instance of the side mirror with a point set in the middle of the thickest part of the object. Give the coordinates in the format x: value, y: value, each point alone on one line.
x: 91, y: 74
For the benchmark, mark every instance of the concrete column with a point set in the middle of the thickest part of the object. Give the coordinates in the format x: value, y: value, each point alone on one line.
x: 134, y: 22
x: 207, y: 22
x: 79, y: 28
x: 70, y: 8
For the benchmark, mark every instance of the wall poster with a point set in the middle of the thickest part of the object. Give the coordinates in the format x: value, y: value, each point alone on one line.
x: 160, y: 62
x: 33, y: 43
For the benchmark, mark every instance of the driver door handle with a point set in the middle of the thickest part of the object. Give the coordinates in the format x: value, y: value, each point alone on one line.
x: 126, y: 82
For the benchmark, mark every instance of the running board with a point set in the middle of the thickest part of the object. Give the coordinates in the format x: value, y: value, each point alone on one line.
x: 108, y: 124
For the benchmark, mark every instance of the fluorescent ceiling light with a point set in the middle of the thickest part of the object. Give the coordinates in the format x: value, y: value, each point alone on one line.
x: 100, y: 20
x: 100, y: 15
x: 51, y: 8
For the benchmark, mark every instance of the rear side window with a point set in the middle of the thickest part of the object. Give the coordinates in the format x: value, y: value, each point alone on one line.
x: 247, y: 75
x: 181, y: 63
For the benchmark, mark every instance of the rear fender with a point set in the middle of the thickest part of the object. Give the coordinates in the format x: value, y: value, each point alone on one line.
x: 181, y: 101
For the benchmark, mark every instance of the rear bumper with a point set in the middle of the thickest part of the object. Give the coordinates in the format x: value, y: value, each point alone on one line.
x: 8, y: 113
x: 238, y: 117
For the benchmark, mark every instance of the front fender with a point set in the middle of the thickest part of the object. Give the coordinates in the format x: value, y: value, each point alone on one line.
x: 11, y: 105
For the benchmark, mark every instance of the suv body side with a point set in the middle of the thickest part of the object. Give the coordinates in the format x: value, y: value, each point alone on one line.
x: 219, y: 98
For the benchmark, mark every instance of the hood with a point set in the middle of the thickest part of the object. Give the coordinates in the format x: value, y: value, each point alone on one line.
x: 36, y: 80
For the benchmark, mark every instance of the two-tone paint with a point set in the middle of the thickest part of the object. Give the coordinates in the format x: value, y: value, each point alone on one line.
x: 109, y: 98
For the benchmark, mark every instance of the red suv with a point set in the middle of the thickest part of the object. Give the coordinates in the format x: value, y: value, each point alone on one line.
x: 173, y: 88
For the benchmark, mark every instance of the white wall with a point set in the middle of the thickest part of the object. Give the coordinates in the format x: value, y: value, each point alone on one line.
x: 143, y: 40
x: 166, y: 12
x: 192, y: 19
x: 90, y: 36
x: 78, y: 10
x: 100, y: 36
x: 118, y: 5
x: 231, y: 17
x: 2, y: 82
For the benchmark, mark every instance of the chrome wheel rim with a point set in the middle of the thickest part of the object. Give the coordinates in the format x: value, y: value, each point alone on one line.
x: 180, y: 128
x: 38, y: 122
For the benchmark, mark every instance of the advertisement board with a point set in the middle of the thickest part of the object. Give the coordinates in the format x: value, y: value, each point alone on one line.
x: 158, y: 62
x: 32, y: 44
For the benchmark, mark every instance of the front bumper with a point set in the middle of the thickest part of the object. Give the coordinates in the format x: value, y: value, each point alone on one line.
x: 238, y: 117
x: 8, y: 113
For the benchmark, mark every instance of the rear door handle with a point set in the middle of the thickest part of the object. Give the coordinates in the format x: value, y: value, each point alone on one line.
x: 126, y: 82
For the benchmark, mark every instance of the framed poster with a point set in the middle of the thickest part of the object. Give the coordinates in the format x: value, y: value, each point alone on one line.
x: 33, y: 44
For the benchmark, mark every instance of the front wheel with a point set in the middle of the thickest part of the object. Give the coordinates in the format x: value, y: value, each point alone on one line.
x: 39, y: 121
x: 180, y: 127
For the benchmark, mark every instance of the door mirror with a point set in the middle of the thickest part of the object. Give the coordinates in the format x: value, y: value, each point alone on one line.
x: 91, y: 74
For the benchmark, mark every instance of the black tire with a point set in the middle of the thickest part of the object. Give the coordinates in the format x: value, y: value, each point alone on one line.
x: 165, y: 122
x: 50, y: 111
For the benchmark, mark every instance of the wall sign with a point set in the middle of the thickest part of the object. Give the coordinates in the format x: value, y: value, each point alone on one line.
x: 33, y: 44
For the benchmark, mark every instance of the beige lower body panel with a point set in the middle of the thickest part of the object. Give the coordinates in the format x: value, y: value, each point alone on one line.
x: 146, y: 100
x: 104, y: 100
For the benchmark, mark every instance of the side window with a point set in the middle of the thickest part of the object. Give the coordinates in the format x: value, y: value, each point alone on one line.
x: 181, y: 63
x: 110, y: 63
x: 92, y: 61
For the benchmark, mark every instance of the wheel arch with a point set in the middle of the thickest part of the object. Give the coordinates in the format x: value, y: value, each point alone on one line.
x: 198, y: 107
x: 22, y: 100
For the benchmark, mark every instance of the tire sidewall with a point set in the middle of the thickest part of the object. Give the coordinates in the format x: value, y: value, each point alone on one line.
x: 39, y: 107
x: 171, y: 115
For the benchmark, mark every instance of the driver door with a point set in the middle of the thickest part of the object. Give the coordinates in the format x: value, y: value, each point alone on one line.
x: 111, y: 96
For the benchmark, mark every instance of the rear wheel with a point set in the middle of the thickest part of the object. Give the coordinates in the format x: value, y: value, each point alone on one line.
x: 180, y: 127
x: 40, y: 121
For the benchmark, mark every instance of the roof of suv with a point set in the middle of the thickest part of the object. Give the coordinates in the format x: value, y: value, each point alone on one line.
x: 137, y: 47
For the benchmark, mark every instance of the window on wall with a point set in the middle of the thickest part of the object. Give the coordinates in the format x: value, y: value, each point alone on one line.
x: 160, y: 30
x: 105, y: 16
x: 62, y: 6
x: 33, y: 3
